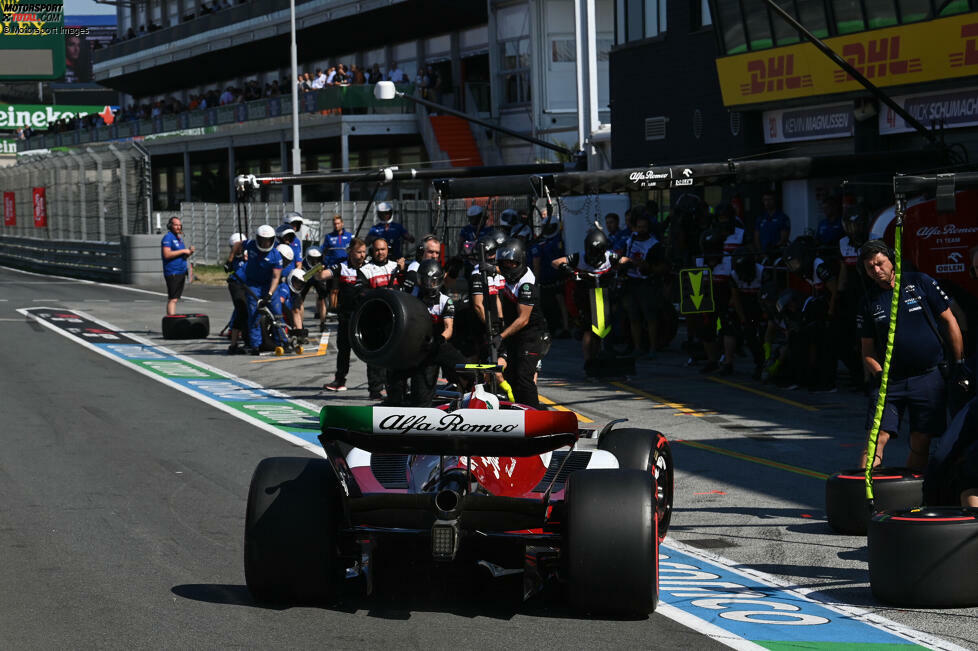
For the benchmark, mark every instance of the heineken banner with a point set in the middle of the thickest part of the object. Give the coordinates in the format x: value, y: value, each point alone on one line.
x: 38, y: 116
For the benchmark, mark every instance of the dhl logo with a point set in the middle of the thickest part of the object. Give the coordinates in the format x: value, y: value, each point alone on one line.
x: 773, y: 74
x: 876, y: 58
x: 970, y: 55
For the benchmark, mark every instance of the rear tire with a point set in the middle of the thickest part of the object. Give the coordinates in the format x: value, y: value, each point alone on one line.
x: 291, y: 525
x: 845, y: 496
x: 649, y: 450
x: 610, y: 550
x: 925, y: 558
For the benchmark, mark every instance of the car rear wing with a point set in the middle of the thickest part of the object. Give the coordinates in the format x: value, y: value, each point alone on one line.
x: 473, y: 432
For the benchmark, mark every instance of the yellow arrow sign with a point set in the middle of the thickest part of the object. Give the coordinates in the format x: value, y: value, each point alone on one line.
x: 696, y: 281
x: 599, y: 327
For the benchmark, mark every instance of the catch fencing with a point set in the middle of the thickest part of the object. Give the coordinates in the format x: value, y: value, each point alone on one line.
x: 93, y: 194
x: 208, y: 226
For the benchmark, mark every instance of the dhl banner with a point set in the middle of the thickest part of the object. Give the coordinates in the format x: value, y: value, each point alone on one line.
x: 938, y: 49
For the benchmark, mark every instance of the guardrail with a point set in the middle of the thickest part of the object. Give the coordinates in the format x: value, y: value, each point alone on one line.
x: 90, y: 260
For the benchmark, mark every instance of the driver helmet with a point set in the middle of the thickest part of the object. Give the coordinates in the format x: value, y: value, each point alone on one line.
x: 296, y: 281
x: 314, y: 256
x: 234, y: 239
x: 799, y: 256
x: 385, y: 211
x: 480, y: 399
x: 551, y: 227
x: 511, y: 260
x: 596, y: 245
x: 431, y: 277
x: 474, y: 214
x: 265, y: 238
x: 287, y: 253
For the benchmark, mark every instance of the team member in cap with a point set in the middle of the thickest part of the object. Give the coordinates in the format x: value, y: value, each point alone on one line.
x: 261, y: 274
x: 390, y: 230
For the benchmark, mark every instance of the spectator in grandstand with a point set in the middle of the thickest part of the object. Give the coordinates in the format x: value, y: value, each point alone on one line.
x: 395, y: 74
x: 375, y: 74
x: 358, y: 76
x: 772, y: 227
x: 342, y: 75
x: 319, y: 79
x: 227, y: 97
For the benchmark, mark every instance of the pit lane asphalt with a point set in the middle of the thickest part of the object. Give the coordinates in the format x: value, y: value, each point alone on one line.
x: 123, y: 501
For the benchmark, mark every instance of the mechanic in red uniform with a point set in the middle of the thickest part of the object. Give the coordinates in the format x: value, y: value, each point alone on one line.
x: 524, y: 339
x: 595, y: 269
x: 348, y: 275
x: 380, y: 272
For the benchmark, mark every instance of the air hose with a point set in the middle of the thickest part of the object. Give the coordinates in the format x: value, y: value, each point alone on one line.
x: 890, y: 334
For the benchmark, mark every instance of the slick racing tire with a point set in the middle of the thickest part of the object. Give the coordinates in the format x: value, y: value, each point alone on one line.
x: 925, y: 558
x: 845, y: 496
x: 649, y: 450
x: 291, y: 524
x: 390, y: 329
x: 186, y: 326
x: 610, y: 547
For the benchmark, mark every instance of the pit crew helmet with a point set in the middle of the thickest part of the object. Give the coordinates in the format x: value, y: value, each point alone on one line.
x: 509, y: 218
x: 287, y: 253
x: 596, y: 245
x: 235, y: 238
x: 492, y: 241
x: 385, y: 211
x: 296, y: 281
x: 511, y: 260
x: 474, y: 214
x: 292, y: 218
x: 799, y: 256
x: 431, y: 277
x: 314, y: 256
x: 284, y: 231
x: 265, y: 238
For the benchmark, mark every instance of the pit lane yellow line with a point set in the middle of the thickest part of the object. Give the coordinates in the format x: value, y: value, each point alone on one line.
x: 323, y: 344
x: 547, y: 401
x: 814, y: 474
x: 744, y: 387
x: 680, y: 408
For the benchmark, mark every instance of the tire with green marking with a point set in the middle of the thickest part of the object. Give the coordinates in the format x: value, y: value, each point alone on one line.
x: 649, y: 450
x: 845, y: 496
x: 925, y: 558
x: 291, y: 530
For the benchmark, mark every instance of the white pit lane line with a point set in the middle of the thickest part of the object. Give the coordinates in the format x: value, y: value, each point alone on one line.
x: 112, y: 285
x: 677, y: 614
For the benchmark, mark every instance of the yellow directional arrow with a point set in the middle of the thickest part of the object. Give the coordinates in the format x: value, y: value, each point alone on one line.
x: 599, y: 327
x: 695, y: 282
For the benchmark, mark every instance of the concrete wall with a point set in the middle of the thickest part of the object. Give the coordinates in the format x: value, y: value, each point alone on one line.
x: 141, y: 261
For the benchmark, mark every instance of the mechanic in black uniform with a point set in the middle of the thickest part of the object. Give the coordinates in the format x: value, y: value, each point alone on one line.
x: 597, y: 269
x: 524, y: 339
x: 441, y: 354
x: 351, y: 282
x: 915, y: 381
x: 802, y: 259
x: 481, y: 309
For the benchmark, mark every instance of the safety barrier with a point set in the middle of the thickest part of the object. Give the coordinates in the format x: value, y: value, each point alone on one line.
x: 90, y: 260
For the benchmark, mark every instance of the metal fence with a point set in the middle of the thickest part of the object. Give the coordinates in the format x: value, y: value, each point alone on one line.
x: 208, y: 226
x: 94, y: 194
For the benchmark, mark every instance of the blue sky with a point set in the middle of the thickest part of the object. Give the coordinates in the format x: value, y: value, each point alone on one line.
x: 86, y: 7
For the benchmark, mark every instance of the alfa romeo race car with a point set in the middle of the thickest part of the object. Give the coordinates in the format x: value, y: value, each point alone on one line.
x: 511, y: 489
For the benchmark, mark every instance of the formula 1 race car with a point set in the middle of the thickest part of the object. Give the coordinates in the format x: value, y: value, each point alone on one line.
x: 514, y: 490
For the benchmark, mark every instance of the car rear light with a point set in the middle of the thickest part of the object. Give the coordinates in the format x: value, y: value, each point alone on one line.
x: 444, y: 540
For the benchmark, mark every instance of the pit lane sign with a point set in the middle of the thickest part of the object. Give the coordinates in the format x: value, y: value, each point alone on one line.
x: 696, y: 291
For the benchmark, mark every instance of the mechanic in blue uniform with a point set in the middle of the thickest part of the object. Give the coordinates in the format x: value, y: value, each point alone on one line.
x: 915, y: 381
x: 289, y: 236
x: 261, y: 274
x: 617, y: 236
x: 548, y: 248
x: 772, y: 227
x: 281, y: 300
x: 524, y: 340
x: 830, y: 229
x: 476, y: 228
x: 239, y: 295
x: 175, y: 268
x: 440, y: 354
x: 336, y: 243
x: 390, y: 230
x: 595, y: 269
x: 351, y: 283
